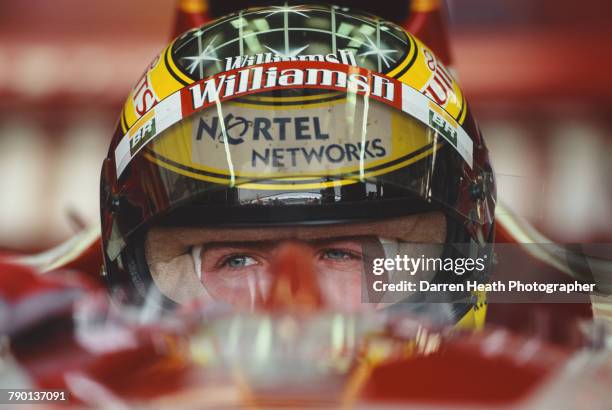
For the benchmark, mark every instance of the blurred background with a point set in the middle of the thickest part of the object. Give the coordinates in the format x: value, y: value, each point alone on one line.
x: 537, y: 74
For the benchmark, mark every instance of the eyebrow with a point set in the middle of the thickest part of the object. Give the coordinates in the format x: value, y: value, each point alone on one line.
x: 260, y: 245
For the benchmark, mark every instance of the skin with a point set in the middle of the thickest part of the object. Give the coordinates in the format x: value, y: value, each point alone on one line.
x: 241, y: 273
x: 235, y: 263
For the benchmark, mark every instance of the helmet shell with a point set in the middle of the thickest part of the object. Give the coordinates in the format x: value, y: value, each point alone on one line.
x: 141, y: 190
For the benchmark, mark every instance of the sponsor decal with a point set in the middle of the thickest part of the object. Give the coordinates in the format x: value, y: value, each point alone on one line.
x: 440, y: 86
x: 441, y: 125
x: 142, y: 134
x: 262, y: 128
x: 289, y: 142
x: 342, y: 57
x: 289, y: 75
x: 143, y: 95
x: 301, y: 157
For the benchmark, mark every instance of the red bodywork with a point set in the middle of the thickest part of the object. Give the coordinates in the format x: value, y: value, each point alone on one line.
x: 157, y: 363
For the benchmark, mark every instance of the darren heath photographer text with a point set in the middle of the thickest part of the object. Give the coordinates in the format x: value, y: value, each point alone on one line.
x: 458, y: 266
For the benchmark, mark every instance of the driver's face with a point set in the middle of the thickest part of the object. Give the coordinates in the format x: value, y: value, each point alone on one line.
x: 238, y: 266
x: 242, y: 273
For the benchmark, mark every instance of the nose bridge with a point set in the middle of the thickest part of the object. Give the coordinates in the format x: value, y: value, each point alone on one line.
x: 295, y: 286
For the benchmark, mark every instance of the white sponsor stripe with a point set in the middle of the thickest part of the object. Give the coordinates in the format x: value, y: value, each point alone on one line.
x: 167, y: 113
x: 417, y: 105
x: 465, y: 146
x: 122, y: 155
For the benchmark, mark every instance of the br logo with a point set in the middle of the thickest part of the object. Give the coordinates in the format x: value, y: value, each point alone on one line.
x: 235, y: 129
x: 142, y: 135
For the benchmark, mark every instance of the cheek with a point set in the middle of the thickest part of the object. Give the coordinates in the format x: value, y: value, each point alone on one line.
x: 339, y: 269
x: 239, y: 287
x: 342, y: 288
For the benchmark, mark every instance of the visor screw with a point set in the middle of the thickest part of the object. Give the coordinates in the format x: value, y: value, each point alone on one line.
x: 477, y: 192
x: 115, y: 204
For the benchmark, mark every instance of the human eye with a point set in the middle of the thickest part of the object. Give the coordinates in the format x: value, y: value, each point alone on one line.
x: 339, y: 255
x: 237, y: 261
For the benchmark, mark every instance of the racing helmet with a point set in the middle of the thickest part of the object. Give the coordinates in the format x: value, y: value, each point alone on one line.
x: 285, y: 116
